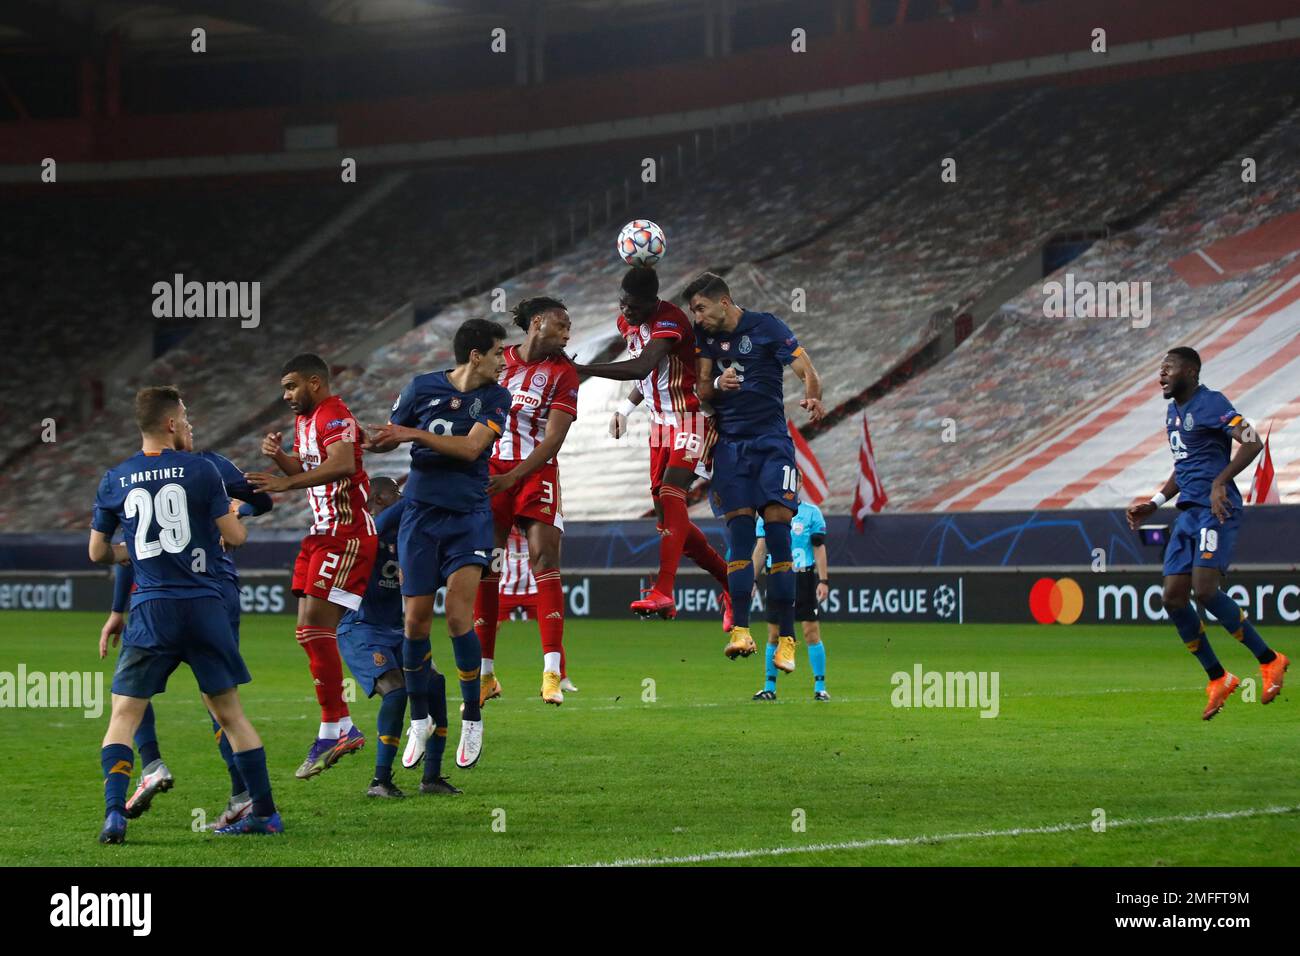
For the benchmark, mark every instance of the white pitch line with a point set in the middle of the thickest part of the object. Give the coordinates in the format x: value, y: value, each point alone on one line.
x: 944, y: 837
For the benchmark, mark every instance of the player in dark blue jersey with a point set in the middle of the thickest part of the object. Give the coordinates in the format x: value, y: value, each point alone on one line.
x: 176, y: 516
x: 370, y: 640
x: 155, y: 777
x: 1201, y: 425
x: 452, y: 419
x: 753, y: 461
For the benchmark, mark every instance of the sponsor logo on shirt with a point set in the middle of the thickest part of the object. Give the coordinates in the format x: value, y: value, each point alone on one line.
x: 526, y: 398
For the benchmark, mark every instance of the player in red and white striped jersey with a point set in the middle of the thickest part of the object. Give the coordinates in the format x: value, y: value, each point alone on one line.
x: 661, y: 340
x: 525, y: 482
x: 333, y: 565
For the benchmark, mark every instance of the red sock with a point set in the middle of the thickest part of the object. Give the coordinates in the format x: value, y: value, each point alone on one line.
x: 676, y: 528
x: 550, y: 610
x: 701, y: 552
x: 322, y: 647
x: 487, y: 613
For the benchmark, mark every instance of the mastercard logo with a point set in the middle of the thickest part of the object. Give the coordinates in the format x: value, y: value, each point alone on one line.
x: 1056, y: 602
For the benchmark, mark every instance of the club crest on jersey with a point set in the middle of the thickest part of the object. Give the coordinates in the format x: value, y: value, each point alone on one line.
x: 454, y: 403
x: 476, y: 408
x: 539, y: 380
x: 1187, y: 422
x: 746, y: 346
x: 380, y: 659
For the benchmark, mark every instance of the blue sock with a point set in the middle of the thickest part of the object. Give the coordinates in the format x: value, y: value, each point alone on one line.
x: 770, y: 683
x: 146, y: 738
x: 437, y: 744
x: 252, y: 764
x: 780, y: 579
x: 469, y: 657
x: 417, y: 662
x: 116, y: 760
x: 1192, y: 631
x: 1229, y: 613
x: 740, y: 566
x: 237, y: 785
x: 817, y: 661
x: 391, y: 709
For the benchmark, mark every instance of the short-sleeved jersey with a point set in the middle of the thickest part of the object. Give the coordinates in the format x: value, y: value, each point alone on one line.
x: 758, y: 349
x: 1200, y: 438
x: 669, y: 389
x: 807, y: 523
x: 432, y: 403
x: 535, y: 389
x: 167, y: 506
x: 338, y: 508
x: 382, y: 604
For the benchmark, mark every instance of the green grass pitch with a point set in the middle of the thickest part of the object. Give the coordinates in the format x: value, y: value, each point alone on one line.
x: 1100, y: 717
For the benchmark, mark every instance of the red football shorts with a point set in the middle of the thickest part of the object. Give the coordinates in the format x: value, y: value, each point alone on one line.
x: 689, y: 447
x: 334, y: 568
x: 536, y: 497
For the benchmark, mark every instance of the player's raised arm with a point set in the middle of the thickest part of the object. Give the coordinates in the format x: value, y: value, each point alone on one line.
x: 812, y: 386
x: 273, y: 448
x: 1141, y: 509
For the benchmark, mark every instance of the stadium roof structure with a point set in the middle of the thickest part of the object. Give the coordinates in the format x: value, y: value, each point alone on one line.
x: 289, y: 26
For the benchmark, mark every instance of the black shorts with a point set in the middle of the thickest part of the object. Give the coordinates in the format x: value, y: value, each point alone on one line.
x: 805, y: 597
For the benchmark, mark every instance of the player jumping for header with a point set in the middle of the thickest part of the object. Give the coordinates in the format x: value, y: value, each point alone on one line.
x: 333, y: 565
x: 1201, y: 425
x: 451, y: 418
x: 661, y: 341
x: 753, y: 462
x: 525, y: 484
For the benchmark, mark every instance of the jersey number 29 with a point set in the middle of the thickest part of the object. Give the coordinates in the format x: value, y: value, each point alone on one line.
x: 169, y: 507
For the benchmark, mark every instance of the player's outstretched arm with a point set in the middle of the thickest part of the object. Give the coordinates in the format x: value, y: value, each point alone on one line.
x: 340, y: 461
x: 631, y: 370
x: 557, y: 428
x: 464, y: 447
x: 1139, y: 510
x: 812, y: 386
x: 823, y: 570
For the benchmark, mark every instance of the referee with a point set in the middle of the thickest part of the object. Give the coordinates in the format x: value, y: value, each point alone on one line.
x: 808, y: 546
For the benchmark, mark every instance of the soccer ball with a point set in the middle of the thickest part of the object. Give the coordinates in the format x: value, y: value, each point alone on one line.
x: 641, y: 243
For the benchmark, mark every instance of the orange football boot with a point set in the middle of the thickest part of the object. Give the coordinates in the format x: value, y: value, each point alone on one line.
x: 1218, y: 692
x: 1272, y: 674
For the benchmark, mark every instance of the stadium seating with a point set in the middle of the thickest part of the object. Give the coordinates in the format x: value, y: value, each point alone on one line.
x: 848, y: 206
x: 1023, y: 382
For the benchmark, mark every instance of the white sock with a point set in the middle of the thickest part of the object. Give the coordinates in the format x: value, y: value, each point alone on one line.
x: 486, y: 666
x: 422, y: 723
x: 551, y: 661
x: 345, y: 726
x: 329, y: 731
